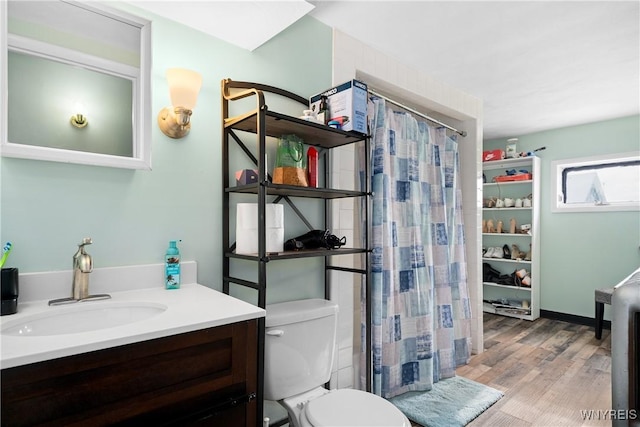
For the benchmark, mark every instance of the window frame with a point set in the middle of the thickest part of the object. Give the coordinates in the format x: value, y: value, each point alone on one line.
x: 558, y: 168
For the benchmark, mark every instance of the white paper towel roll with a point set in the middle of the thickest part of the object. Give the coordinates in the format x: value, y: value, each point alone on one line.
x: 247, y: 228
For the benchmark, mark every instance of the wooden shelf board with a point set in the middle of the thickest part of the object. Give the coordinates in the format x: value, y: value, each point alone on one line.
x: 295, y: 191
x: 307, y: 253
x: 277, y: 124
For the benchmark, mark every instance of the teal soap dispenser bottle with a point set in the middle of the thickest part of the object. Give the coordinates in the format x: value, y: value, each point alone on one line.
x: 172, y: 266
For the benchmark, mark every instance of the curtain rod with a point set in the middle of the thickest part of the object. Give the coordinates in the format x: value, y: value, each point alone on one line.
x: 418, y: 113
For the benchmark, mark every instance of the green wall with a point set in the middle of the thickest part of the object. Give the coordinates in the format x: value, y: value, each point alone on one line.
x: 582, y: 251
x: 47, y: 208
x: 46, y: 92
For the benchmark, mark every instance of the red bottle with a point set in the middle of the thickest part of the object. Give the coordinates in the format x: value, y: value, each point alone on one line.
x: 312, y: 166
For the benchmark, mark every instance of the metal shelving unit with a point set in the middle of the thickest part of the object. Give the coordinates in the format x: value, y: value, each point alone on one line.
x: 263, y: 123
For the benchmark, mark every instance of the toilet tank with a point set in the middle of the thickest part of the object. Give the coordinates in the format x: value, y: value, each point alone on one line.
x: 299, y: 346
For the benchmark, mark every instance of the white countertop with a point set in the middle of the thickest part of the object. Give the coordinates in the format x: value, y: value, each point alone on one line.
x: 190, y: 308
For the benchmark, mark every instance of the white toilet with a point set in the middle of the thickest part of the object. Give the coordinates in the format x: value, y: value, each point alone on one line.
x: 299, y: 351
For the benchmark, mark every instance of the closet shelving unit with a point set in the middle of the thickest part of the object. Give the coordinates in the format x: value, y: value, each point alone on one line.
x: 511, y: 294
x: 260, y: 122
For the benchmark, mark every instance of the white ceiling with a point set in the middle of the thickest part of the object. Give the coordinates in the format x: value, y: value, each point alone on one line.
x: 536, y: 65
x: 247, y: 23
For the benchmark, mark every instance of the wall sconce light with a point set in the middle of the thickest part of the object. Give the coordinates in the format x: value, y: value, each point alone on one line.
x: 184, y: 86
x: 78, y: 119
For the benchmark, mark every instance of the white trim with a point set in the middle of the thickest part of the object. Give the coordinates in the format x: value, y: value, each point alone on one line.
x: 558, y: 166
x: 141, y: 96
x: 4, y: 94
x: 64, y: 55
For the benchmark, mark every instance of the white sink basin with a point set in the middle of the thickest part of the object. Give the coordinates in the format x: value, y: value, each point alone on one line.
x: 82, y: 317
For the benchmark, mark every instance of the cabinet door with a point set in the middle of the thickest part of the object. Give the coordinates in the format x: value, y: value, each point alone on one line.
x: 155, y: 382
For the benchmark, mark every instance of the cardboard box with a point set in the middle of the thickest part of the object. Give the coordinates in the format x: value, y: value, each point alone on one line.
x: 490, y: 155
x: 347, y: 105
x: 247, y: 228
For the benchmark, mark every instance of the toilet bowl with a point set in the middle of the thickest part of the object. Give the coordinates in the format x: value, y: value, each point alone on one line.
x: 299, y: 352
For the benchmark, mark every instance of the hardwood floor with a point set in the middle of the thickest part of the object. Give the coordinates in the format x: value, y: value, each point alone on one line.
x: 551, y: 372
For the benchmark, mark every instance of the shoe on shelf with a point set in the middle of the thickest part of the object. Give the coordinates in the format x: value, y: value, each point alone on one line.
x: 516, y: 279
x: 527, y: 201
x: 516, y: 253
x: 489, y: 203
x: 506, y: 252
x: 523, y: 278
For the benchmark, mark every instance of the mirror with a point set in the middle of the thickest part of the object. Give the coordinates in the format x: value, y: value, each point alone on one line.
x: 77, y: 78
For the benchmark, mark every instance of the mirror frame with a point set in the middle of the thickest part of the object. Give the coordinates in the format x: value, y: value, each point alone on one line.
x: 141, y: 158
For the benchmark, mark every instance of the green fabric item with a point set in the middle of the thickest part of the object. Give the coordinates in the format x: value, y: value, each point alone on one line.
x: 453, y: 402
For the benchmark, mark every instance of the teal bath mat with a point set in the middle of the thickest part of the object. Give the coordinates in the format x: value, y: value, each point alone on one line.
x: 453, y: 402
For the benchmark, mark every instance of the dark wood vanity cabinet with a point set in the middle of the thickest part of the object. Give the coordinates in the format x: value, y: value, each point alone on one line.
x: 201, y: 378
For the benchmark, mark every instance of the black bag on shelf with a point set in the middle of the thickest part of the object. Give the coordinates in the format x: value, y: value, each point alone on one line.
x: 508, y: 279
x: 489, y: 274
x: 315, y: 239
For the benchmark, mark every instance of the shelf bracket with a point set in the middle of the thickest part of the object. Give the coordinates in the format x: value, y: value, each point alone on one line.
x: 246, y: 151
x: 296, y: 210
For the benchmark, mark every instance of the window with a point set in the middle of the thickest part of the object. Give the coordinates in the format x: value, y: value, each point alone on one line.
x: 596, y: 184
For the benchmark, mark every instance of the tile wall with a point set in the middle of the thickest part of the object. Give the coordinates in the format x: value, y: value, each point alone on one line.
x: 343, y: 284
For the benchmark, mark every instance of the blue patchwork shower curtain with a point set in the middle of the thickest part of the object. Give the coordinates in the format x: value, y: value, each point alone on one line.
x: 420, y: 302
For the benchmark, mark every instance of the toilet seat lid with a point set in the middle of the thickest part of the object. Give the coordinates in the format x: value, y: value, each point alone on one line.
x: 347, y: 407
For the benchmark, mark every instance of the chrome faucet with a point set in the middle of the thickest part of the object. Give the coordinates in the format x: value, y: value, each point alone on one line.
x: 82, y: 266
